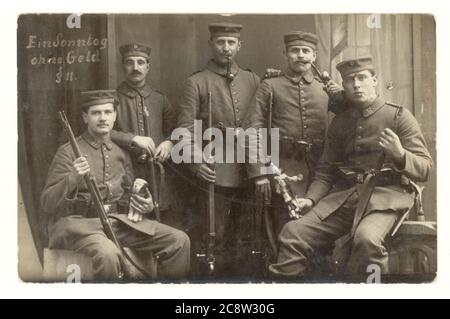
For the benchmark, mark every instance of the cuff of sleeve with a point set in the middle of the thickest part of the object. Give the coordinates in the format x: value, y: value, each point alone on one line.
x: 255, y: 170
x: 124, y: 139
x: 193, y: 168
x: 408, y: 167
x: 315, y: 192
x: 73, y: 180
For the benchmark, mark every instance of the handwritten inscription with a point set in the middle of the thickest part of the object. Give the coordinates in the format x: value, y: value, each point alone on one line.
x: 64, y: 53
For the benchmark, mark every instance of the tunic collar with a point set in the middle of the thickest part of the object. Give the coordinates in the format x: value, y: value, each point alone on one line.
x: 374, y: 107
x: 96, y: 143
x: 308, y: 77
x: 126, y: 89
x: 218, y: 69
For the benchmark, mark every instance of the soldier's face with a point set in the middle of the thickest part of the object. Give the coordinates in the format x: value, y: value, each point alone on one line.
x: 300, y: 57
x: 136, y: 69
x: 100, y: 119
x: 224, y: 48
x: 360, y: 87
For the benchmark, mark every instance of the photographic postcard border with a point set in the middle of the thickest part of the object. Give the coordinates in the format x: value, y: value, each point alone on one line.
x: 11, y: 284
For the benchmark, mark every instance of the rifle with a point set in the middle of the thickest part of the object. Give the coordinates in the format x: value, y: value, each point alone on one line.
x: 153, y: 186
x: 210, y: 258
x: 267, y: 220
x: 151, y: 162
x: 125, y: 260
x: 209, y: 255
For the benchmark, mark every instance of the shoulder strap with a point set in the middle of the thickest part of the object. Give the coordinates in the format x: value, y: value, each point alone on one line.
x: 399, y: 109
x: 198, y: 71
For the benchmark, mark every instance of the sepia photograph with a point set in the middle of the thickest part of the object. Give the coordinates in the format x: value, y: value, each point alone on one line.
x: 226, y: 148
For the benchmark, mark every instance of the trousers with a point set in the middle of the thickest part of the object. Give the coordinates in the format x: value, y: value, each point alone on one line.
x: 170, y: 247
x: 300, y: 239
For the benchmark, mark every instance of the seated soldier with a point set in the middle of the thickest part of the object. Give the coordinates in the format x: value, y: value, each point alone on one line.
x: 74, y: 224
x: 369, y: 134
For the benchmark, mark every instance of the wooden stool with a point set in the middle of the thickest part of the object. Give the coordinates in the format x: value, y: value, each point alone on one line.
x: 413, y: 249
x: 69, y: 266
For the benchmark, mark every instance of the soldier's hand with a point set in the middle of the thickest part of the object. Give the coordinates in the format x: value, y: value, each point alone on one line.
x: 272, y: 73
x: 262, y: 186
x: 141, y: 204
x: 207, y: 174
x: 333, y: 88
x: 145, y: 142
x: 390, y: 143
x: 134, y: 216
x: 81, y: 165
x: 304, y: 204
x: 163, y: 150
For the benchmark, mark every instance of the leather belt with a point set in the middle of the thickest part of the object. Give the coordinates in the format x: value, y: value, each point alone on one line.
x: 385, y: 177
x: 293, y: 148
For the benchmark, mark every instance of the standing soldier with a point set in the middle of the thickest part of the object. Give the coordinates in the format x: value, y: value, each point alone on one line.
x: 370, y: 138
x: 145, y: 118
x: 231, y: 89
x: 299, y: 111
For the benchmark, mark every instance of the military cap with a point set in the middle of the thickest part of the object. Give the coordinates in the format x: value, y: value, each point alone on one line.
x: 90, y: 98
x: 135, y: 49
x: 225, y: 29
x: 347, y: 67
x: 301, y: 38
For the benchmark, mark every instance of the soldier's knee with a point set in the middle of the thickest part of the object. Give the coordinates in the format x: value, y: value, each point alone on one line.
x: 180, y: 240
x: 291, y: 229
x: 105, y: 255
x: 366, y: 240
x: 107, y: 251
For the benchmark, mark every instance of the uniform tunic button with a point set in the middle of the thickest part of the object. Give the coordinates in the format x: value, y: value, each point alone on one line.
x: 232, y: 84
x: 302, y: 100
x: 358, y: 137
x: 237, y: 111
x: 358, y: 163
x: 302, y: 91
x: 305, y: 127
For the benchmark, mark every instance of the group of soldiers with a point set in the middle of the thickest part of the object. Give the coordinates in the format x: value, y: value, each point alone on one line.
x: 333, y: 162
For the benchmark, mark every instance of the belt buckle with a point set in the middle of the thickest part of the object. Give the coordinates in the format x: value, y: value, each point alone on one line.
x: 305, y: 145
